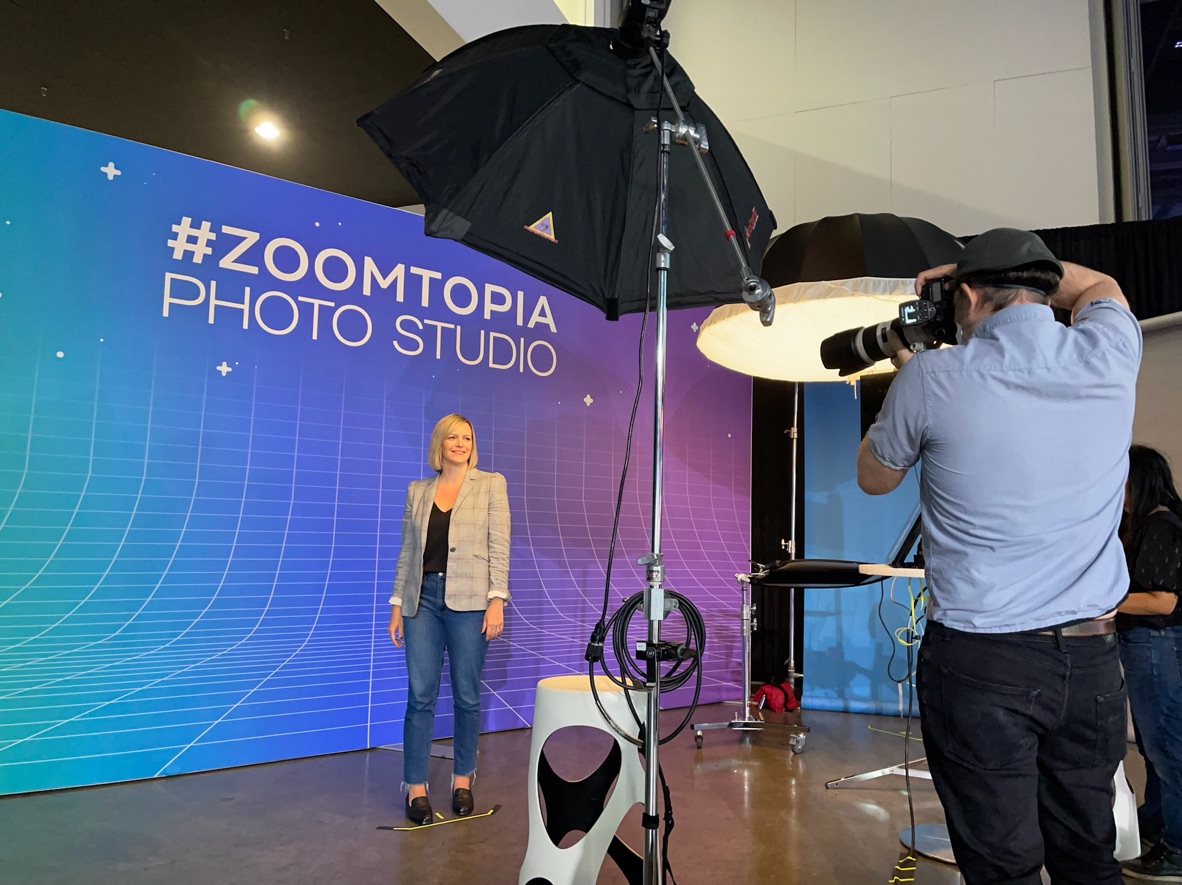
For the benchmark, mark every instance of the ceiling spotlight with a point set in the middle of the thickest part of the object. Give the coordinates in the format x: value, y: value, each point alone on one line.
x: 267, y: 130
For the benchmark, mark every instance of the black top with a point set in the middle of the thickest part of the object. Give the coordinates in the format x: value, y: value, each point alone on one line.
x: 1155, y: 563
x: 435, y: 547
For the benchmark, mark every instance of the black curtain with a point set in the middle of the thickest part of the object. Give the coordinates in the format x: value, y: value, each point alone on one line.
x: 1145, y: 257
x: 771, y: 491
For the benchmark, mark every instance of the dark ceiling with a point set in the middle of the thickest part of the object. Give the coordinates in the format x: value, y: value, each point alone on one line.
x: 173, y: 73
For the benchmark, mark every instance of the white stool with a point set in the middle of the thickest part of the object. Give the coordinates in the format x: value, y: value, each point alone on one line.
x: 1124, y: 808
x: 564, y: 701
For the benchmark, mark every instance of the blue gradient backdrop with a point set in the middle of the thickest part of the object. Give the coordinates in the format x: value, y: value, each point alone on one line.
x: 200, y: 508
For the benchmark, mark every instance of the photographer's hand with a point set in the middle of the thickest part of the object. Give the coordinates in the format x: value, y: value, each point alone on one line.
x: 935, y: 273
x: 902, y: 351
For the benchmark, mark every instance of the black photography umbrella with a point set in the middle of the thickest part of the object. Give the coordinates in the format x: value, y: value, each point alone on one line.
x: 529, y: 145
x: 832, y: 275
x: 843, y: 247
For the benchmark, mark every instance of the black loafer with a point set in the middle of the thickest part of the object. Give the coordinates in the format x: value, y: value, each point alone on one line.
x: 462, y: 802
x: 418, y: 811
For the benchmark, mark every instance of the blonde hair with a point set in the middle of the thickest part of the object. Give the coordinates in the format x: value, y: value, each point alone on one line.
x: 443, y: 428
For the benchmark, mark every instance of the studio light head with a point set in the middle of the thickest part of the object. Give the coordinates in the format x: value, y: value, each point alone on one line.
x: 640, y: 27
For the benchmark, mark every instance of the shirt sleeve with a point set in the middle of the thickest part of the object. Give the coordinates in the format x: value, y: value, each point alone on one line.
x: 1159, y: 558
x: 498, y: 539
x: 1123, y: 328
x: 896, y: 436
x: 402, y: 569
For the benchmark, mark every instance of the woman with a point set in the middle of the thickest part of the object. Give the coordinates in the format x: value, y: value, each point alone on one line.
x: 1150, y: 625
x: 450, y: 590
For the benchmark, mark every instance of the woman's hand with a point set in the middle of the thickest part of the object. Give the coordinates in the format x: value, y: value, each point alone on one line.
x: 494, y: 619
x: 396, y: 634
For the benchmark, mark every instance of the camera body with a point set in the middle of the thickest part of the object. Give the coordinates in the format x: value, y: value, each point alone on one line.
x: 924, y: 323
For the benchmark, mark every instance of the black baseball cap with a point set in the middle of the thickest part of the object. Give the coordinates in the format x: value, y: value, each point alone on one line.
x: 1002, y: 249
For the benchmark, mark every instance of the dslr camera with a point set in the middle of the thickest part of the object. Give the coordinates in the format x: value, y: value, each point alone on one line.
x: 926, y: 322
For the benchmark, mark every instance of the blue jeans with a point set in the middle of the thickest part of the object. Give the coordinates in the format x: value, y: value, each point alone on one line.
x: 434, y: 629
x: 1153, y: 670
x: 1023, y: 733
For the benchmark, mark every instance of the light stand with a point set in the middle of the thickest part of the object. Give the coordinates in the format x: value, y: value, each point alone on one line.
x: 745, y: 720
x: 756, y: 293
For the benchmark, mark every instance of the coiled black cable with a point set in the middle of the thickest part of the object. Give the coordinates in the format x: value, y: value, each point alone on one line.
x: 634, y: 671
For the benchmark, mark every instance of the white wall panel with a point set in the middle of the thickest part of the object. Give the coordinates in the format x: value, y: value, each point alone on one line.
x: 942, y: 166
x: 934, y: 44
x: 767, y: 145
x: 1158, y: 421
x: 741, y: 56
x: 841, y: 46
x: 843, y: 160
x: 1045, y: 164
x: 1037, y: 36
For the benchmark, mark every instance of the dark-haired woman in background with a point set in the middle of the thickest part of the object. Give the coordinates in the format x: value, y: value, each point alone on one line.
x: 1150, y: 625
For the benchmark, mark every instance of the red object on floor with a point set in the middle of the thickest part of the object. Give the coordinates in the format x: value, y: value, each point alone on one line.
x: 776, y: 698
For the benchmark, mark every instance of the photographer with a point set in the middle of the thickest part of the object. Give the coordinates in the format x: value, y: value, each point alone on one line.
x: 1023, y: 432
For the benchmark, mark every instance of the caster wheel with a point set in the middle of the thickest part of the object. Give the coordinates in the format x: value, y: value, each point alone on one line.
x: 798, y: 744
x: 698, y: 739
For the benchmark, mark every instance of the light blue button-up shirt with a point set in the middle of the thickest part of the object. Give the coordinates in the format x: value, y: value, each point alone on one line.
x: 1023, y: 434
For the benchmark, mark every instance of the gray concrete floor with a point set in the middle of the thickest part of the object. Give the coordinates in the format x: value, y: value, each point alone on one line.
x: 747, y: 810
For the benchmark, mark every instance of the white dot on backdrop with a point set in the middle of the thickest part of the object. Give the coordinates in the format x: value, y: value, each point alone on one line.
x: 101, y: 340
x: 318, y: 224
x: 60, y: 354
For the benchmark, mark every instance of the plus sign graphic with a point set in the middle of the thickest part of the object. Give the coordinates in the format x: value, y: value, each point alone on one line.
x: 191, y: 239
x: 587, y: 399
x: 223, y: 368
x: 110, y: 170
x: 694, y: 326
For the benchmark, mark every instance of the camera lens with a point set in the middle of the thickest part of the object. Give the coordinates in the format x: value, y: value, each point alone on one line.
x: 856, y: 349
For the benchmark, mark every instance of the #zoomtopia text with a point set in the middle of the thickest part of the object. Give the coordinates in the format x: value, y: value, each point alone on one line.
x: 277, y: 313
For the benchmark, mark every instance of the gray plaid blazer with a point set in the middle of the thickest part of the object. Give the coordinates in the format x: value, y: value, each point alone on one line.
x: 477, y: 543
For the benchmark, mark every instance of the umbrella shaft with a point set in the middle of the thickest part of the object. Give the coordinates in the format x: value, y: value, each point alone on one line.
x: 732, y: 237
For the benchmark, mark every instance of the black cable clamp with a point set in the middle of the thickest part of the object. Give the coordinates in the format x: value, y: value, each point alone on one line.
x: 650, y: 821
x: 664, y: 651
x: 594, y: 652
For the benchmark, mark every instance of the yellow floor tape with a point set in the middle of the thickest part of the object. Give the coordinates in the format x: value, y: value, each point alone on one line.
x: 445, y: 820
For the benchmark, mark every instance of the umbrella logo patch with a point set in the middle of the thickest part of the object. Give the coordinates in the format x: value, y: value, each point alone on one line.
x: 544, y: 227
x: 751, y: 222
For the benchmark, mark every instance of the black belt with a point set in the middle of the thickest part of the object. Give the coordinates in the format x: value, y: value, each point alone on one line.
x: 1097, y: 627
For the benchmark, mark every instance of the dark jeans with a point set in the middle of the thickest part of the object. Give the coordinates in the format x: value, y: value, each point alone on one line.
x: 1023, y: 734
x: 1154, y: 673
x: 1149, y: 811
x: 435, y: 628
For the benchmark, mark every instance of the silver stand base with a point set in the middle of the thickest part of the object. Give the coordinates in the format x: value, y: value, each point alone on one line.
x: 901, y: 770
x: 931, y: 841
x: 750, y: 723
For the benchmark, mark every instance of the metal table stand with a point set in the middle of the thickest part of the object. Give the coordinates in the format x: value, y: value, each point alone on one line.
x: 746, y: 720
